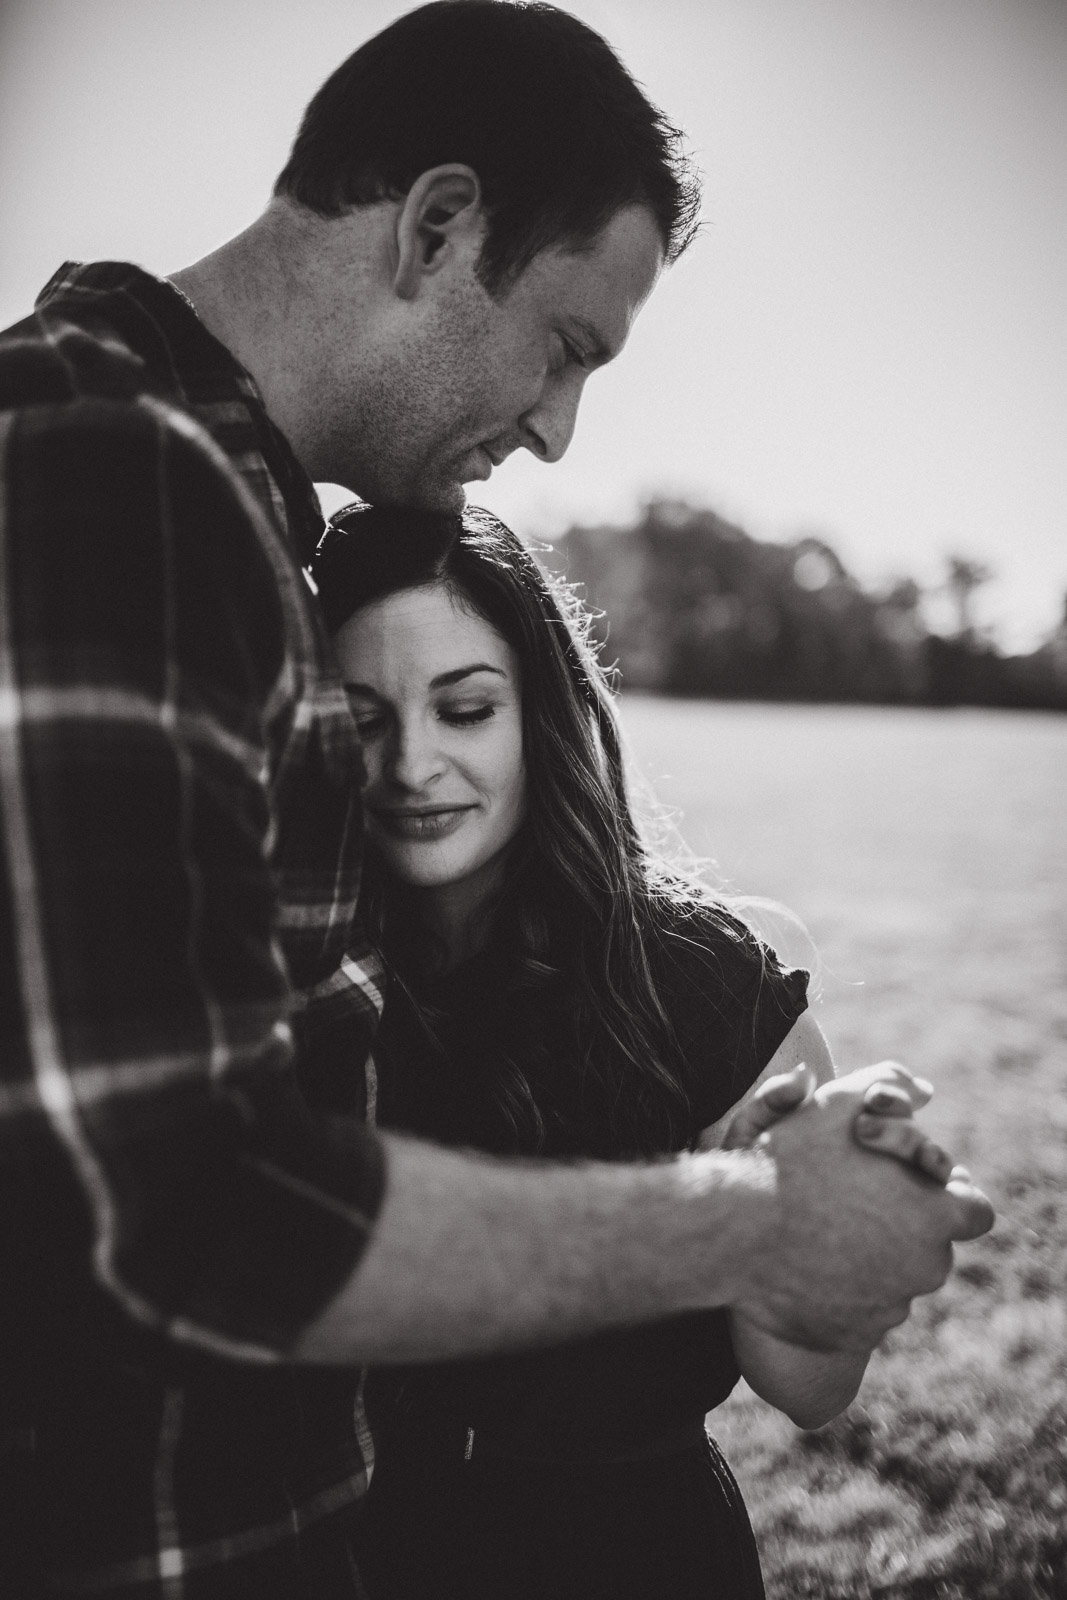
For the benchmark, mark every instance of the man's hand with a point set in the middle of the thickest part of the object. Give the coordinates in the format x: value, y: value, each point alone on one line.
x: 851, y: 1240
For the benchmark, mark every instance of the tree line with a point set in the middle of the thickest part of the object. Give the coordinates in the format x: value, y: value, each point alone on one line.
x: 685, y: 603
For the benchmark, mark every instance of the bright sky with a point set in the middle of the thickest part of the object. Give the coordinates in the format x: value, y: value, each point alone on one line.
x: 868, y: 342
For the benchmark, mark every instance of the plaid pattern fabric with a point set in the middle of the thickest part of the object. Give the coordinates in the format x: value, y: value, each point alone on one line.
x: 179, y: 862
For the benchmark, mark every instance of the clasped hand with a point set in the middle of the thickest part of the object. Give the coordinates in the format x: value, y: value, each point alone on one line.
x: 884, y: 1121
x: 847, y: 1241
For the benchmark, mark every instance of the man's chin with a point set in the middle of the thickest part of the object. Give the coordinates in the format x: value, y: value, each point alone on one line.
x: 452, y: 497
x: 448, y: 497
x: 419, y: 493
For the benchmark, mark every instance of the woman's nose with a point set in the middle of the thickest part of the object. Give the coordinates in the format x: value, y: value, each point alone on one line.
x: 414, y: 757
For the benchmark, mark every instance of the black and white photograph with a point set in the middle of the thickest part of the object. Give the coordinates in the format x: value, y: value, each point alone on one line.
x: 533, y: 778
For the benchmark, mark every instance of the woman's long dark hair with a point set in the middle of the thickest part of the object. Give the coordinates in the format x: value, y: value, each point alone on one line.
x: 584, y: 901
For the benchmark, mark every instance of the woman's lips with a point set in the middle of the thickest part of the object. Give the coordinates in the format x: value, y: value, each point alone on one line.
x: 421, y: 824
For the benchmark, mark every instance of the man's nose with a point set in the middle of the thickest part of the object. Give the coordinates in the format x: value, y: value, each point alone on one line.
x: 548, y: 426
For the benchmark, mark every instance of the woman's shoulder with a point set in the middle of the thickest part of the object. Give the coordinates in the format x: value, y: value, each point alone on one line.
x: 730, y: 997
x: 694, y: 934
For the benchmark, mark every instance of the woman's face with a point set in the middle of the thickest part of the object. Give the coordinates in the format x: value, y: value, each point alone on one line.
x: 436, y: 695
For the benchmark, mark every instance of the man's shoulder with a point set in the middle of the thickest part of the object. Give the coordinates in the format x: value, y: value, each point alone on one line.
x: 94, y: 333
x: 110, y: 348
x: 98, y: 363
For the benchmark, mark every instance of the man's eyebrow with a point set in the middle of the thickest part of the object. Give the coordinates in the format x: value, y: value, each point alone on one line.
x: 443, y: 680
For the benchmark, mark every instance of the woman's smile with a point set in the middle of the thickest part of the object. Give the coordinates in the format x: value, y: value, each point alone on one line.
x: 412, y: 823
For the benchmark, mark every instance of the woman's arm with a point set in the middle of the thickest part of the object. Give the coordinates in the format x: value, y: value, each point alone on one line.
x: 810, y: 1388
x: 804, y: 1045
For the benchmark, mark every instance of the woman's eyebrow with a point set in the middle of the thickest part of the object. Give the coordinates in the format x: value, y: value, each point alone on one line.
x: 444, y: 679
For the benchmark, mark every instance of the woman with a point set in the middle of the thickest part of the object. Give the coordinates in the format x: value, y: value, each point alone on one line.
x: 553, y: 990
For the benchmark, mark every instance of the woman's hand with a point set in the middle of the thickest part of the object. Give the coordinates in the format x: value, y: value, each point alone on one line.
x: 885, y: 1124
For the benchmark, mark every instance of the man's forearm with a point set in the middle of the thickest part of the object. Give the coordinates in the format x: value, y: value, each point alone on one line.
x: 474, y: 1254
x: 814, y: 1240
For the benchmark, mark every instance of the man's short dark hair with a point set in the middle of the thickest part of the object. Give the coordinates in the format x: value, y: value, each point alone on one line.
x: 539, y: 105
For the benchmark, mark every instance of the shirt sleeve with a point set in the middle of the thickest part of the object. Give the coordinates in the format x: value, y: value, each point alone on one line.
x: 731, y: 1001
x: 147, y: 1047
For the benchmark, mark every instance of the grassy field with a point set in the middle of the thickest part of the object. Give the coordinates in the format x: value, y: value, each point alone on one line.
x: 927, y: 854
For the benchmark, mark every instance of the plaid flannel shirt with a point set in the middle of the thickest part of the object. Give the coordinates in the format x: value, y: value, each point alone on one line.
x: 179, y: 859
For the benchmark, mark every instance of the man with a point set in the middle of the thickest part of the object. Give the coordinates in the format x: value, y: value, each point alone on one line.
x: 477, y: 205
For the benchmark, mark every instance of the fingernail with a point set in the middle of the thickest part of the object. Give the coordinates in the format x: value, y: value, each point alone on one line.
x: 940, y: 1159
x: 870, y: 1128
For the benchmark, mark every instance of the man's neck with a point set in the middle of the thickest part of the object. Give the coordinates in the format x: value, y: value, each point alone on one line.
x: 231, y: 292
x: 283, y: 296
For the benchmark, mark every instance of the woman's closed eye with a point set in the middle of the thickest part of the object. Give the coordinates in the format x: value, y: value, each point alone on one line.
x: 374, y: 722
x: 369, y: 723
x: 466, y: 716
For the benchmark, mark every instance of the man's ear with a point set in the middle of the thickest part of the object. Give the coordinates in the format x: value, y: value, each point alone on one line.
x: 441, y: 216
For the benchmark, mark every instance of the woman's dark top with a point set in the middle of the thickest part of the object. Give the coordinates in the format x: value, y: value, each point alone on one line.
x: 624, y: 1408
